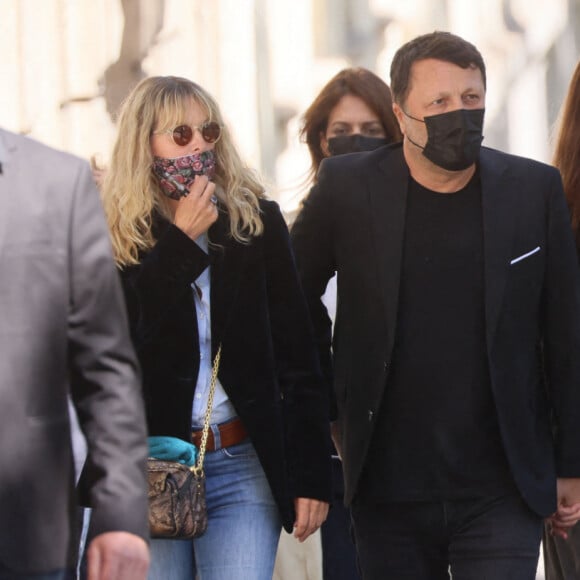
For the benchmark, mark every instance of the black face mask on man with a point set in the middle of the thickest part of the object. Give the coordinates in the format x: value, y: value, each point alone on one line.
x: 453, y: 138
x: 354, y: 143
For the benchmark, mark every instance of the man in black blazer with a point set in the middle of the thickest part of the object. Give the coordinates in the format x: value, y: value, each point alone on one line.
x: 456, y: 350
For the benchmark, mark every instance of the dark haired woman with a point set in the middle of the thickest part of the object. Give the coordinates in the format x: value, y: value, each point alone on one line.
x: 353, y: 112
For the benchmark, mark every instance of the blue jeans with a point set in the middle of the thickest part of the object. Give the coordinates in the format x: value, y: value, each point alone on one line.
x: 495, y: 538
x: 243, y: 525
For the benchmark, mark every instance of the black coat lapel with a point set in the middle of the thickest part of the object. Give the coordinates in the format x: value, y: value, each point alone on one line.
x: 499, y: 215
x: 388, y: 203
x: 227, y: 265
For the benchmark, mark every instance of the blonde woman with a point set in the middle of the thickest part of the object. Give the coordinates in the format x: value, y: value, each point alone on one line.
x: 205, y: 260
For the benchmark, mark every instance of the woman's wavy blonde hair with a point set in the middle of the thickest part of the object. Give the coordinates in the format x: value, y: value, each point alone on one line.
x: 131, y: 193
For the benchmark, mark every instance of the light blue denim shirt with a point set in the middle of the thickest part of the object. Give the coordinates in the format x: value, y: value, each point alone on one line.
x: 222, y: 409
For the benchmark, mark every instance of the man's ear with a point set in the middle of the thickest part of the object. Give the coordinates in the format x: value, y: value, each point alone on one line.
x: 400, y: 116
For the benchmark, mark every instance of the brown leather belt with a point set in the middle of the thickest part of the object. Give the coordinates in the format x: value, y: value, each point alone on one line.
x: 231, y: 433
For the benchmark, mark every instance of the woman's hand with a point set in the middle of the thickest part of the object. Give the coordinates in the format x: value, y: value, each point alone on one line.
x: 197, y: 211
x: 310, y: 515
x: 568, y: 512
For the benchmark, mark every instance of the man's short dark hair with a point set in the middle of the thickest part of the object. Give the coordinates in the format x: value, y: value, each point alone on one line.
x: 438, y: 45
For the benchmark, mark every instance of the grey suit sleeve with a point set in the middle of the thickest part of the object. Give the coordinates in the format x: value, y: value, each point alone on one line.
x: 104, y: 376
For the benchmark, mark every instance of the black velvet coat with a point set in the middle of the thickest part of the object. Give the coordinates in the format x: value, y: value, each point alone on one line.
x: 269, y: 366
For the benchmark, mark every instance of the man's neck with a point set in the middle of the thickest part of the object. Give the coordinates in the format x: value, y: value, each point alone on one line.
x: 432, y: 176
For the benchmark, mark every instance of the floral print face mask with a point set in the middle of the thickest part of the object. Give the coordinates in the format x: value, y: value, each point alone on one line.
x: 176, y: 174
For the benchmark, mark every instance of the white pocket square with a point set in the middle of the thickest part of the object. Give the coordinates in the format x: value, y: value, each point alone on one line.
x: 524, y: 256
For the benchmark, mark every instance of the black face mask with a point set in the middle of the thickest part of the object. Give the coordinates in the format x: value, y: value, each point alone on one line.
x: 454, y: 138
x: 353, y: 143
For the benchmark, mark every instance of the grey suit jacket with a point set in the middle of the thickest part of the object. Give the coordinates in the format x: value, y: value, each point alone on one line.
x: 63, y: 330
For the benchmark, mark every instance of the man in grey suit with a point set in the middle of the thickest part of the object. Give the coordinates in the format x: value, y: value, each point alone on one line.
x: 64, y: 331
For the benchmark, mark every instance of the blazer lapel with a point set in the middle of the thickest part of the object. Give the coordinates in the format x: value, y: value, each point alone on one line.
x: 498, y: 233
x: 388, y: 203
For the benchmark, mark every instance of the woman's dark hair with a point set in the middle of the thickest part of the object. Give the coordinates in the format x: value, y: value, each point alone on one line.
x: 567, y: 150
x: 359, y: 82
x: 438, y: 45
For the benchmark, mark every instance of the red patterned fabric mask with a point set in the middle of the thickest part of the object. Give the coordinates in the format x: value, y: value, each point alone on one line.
x: 176, y: 174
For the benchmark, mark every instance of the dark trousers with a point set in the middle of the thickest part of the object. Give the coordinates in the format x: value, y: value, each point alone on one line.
x: 477, y: 539
x: 339, y: 560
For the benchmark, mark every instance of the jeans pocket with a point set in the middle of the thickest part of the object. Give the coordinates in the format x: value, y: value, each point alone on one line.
x: 244, y: 450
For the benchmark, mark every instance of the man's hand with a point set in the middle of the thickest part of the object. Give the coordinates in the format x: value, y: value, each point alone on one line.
x: 310, y: 515
x: 117, y: 556
x: 568, y: 512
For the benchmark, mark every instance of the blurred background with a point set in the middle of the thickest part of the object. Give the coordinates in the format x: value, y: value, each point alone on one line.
x: 67, y: 64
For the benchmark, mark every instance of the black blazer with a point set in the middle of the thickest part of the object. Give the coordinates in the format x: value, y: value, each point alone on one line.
x: 269, y: 366
x: 353, y: 222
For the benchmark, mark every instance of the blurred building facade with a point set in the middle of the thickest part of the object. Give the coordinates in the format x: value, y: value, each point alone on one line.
x: 69, y: 63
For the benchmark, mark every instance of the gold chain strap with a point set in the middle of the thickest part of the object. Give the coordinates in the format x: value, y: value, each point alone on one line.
x: 198, y: 467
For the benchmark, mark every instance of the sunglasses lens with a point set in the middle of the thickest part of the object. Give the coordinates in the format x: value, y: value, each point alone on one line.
x: 182, y: 135
x: 211, y: 131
